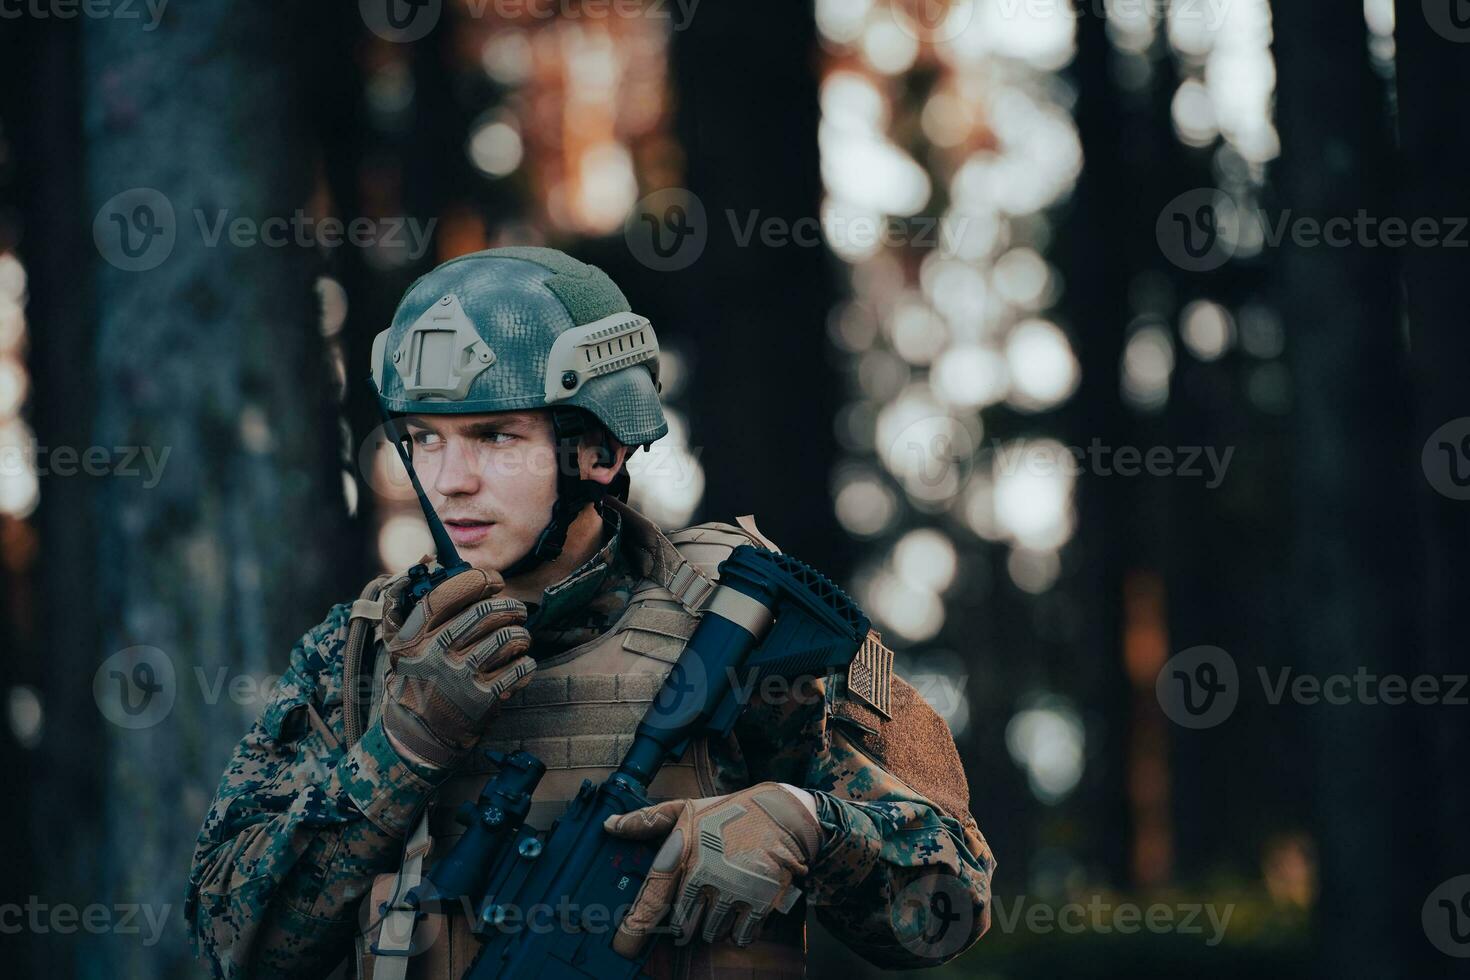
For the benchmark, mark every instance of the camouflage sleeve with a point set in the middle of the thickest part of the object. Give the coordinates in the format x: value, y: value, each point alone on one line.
x: 903, y: 876
x: 299, y: 826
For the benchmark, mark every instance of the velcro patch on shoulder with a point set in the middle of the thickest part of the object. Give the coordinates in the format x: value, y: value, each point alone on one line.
x: 870, y: 676
x: 915, y: 745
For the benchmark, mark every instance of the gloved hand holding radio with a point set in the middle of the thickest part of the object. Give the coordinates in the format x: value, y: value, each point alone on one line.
x: 452, y: 659
x: 729, y: 859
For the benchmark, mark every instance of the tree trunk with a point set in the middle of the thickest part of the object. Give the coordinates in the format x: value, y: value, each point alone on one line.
x: 1433, y: 72
x: 764, y: 392
x: 212, y: 355
x: 1350, y: 481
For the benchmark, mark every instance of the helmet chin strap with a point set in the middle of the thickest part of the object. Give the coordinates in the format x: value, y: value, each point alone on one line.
x: 573, y: 493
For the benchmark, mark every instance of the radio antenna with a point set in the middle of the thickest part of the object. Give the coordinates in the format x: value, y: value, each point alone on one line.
x: 450, y: 562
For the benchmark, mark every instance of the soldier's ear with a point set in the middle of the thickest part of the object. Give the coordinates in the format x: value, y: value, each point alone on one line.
x: 600, y: 456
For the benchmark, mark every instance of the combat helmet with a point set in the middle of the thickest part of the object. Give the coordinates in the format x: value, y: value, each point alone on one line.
x: 520, y: 328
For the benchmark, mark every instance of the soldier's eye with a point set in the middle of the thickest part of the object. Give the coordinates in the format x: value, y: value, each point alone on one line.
x: 426, y: 437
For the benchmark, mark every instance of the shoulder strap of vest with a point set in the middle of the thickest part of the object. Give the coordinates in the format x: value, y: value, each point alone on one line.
x: 708, y: 544
x: 691, y: 575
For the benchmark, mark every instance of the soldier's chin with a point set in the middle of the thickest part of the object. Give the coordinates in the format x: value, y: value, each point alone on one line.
x: 493, y: 554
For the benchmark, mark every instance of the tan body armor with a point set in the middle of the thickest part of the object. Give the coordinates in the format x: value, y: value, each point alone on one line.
x: 578, y: 716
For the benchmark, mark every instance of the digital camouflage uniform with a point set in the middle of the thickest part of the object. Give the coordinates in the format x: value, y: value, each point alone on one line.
x: 313, y: 812
x: 299, y: 828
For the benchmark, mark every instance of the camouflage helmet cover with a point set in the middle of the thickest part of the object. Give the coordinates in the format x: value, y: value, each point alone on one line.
x: 521, y: 328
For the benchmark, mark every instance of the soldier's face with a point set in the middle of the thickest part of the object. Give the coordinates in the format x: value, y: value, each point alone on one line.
x: 490, y: 477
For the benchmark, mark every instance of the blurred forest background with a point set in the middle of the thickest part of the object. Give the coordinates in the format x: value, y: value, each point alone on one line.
x: 872, y: 402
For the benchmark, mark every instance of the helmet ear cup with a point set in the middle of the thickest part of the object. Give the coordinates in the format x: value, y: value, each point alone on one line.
x: 620, y: 485
x: 602, y: 448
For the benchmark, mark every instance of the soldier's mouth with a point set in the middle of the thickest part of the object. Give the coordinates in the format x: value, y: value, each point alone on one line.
x: 467, y: 532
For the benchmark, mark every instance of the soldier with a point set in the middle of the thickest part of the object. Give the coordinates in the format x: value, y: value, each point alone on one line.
x: 523, y: 382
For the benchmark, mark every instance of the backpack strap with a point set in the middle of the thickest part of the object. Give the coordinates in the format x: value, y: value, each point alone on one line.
x: 393, y: 943
x: 367, y: 613
x: 389, y: 947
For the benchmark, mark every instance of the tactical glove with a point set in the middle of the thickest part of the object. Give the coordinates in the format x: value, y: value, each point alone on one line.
x: 452, y: 659
x: 724, y: 855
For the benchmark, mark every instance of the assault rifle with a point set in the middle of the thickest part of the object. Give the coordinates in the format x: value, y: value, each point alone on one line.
x: 770, y: 616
